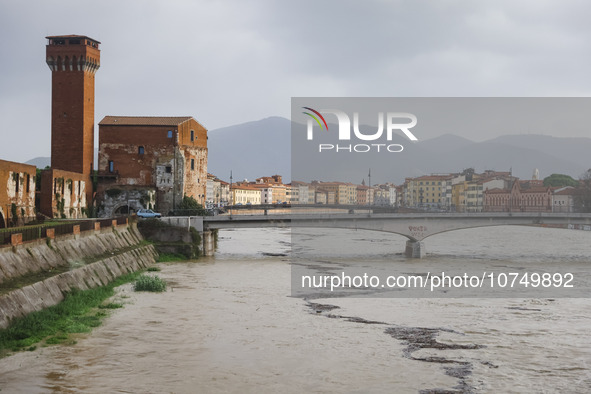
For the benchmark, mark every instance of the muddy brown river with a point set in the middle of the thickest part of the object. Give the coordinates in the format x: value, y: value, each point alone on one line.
x: 228, y: 324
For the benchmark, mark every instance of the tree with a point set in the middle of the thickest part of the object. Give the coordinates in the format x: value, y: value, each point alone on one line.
x: 583, y: 197
x: 560, y: 180
x: 190, y: 207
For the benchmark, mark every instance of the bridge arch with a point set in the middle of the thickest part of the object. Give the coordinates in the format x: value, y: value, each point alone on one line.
x: 416, y: 227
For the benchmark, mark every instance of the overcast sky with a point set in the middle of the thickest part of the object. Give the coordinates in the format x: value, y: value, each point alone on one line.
x: 228, y: 62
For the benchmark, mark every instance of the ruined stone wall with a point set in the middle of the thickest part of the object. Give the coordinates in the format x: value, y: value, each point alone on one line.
x: 121, y: 145
x: 170, y: 159
x: 142, y: 156
x: 117, y: 200
x: 194, y: 153
x: 64, y: 194
x: 17, y: 186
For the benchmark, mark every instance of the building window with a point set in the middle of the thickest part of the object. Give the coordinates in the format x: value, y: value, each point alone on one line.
x: 28, y: 183
x: 192, y: 164
x: 17, y: 178
x: 169, y: 133
x: 140, y: 150
x: 111, y: 166
x: 168, y: 169
x: 192, y: 135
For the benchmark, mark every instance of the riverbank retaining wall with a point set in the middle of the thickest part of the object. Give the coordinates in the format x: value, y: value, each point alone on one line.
x: 90, y: 259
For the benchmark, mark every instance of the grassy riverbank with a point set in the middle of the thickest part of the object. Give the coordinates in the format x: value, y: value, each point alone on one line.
x: 79, y: 312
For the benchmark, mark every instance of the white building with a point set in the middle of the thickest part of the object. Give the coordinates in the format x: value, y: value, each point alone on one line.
x: 563, y: 200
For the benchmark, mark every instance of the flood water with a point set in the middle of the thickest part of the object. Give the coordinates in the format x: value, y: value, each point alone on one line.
x: 228, y: 324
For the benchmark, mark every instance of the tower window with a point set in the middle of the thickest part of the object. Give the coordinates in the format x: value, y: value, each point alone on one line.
x: 140, y: 150
x: 192, y: 135
x: 192, y: 164
x: 168, y: 169
x: 111, y: 166
x: 169, y: 133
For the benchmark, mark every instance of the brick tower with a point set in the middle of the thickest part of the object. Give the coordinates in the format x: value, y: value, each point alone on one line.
x: 66, y: 189
x: 73, y: 61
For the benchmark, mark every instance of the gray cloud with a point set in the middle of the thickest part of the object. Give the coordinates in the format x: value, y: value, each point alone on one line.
x: 227, y: 62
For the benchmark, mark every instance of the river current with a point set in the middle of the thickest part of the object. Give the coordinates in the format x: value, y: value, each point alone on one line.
x: 229, y: 324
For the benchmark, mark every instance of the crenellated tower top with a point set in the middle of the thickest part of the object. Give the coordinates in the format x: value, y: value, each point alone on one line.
x: 73, y: 53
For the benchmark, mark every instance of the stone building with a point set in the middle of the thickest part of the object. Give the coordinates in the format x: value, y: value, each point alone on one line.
x: 73, y: 61
x: 150, y: 162
x: 17, y: 193
x: 68, y: 194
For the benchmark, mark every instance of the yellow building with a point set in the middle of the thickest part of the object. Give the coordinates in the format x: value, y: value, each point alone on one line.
x: 458, y: 195
x: 425, y: 191
x: 279, y: 193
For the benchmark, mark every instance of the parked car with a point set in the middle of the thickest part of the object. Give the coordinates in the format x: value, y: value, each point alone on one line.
x: 148, y: 213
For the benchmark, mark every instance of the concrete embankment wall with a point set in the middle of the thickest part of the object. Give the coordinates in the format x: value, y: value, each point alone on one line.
x: 72, y: 249
x: 95, y: 258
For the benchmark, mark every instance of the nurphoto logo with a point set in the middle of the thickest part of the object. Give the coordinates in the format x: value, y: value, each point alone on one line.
x: 392, y: 120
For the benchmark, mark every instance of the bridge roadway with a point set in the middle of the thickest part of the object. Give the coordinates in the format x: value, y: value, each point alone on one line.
x: 415, y: 226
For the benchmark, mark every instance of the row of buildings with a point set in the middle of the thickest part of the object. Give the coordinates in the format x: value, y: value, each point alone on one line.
x: 468, y: 191
x: 490, y: 191
x: 272, y: 190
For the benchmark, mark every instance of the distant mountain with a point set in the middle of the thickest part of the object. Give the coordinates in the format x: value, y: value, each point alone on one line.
x: 575, y: 150
x: 446, y: 142
x: 261, y: 148
x: 40, y: 162
x: 251, y: 150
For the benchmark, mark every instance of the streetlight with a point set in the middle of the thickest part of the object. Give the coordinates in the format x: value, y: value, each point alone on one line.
x: 231, y: 195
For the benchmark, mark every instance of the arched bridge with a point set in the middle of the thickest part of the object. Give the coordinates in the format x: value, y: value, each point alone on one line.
x: 415, y: 226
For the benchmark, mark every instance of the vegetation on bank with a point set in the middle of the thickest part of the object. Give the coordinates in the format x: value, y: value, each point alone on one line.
x: 79, y: 312
x: 170, y: 257
x: 149, y: 283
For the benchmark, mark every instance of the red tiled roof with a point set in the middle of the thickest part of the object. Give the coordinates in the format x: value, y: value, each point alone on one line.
x: 496, y: 191
x: 570, y: 191
x: 535, y: 190
x: 144, y: 120
x: 245, y: 188
x: 432, y: 177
